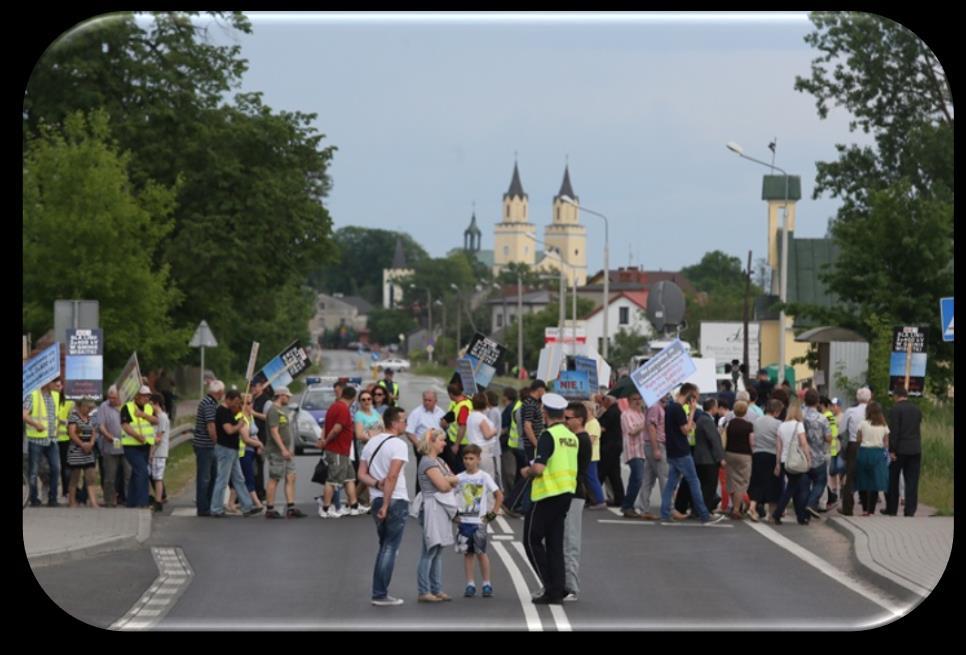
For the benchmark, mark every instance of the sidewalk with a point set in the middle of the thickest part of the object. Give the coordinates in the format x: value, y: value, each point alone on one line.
x: 52, y: 535
x: 907, y: 555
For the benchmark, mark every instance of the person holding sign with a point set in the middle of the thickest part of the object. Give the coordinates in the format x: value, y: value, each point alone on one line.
x: 680, y: 461
x: 137, y: 422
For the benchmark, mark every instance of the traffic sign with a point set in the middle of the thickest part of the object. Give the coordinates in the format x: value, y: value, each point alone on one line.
x: 946, y: 318
x: 203, y: 337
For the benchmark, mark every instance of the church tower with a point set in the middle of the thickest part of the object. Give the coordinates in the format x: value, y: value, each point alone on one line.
x: 472, y: 236
x: 510, y: 241
x: 566, y: 235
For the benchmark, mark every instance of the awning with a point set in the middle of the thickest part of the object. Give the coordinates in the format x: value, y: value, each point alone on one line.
x: 828, y: 333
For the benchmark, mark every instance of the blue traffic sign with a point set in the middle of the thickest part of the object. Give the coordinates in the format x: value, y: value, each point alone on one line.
x: 946, y: 317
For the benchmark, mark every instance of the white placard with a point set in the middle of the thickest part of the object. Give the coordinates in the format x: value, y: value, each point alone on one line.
x: 663, y: 372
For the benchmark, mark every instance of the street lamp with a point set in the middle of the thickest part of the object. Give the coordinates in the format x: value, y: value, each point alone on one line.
x: 571, y: 201
x: 459, y: 316
x: 783, y: 289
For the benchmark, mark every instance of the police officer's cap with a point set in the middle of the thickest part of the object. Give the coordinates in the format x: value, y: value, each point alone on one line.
x: 554, y: 401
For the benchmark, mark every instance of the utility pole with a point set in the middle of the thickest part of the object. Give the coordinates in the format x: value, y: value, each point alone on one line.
x: 519, y: 324
x: 747, y: 296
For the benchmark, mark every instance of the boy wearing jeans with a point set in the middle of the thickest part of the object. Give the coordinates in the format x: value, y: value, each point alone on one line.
x: 473, y: 494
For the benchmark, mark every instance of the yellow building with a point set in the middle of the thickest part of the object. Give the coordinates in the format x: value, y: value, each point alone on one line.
x: 514, y: 235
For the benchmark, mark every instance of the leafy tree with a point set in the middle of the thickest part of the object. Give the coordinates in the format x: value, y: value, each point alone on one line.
x: 717, y: 272
x: 720, y: 283
x: 895, y: 225
x: 86, y: 234
x: 385, y: 325
x: 528, y: 276
x: 534, y: 326
x: 627, y: 343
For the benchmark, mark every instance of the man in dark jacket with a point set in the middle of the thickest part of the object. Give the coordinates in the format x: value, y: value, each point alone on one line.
x: 611, y: 447
x: 905, y: 453
x: 708, y: 452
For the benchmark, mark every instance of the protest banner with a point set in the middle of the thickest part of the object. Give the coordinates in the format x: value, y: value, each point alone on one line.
x: 250, y: 371
x: 907, y: 364
x: 573, y: 385
x: 588, y: 365
x: 84, y: 364
x: 284, y: 367
x: 484, y: 354
x: 129, y: 381
x: 41, y: 369
x: 464, y: 370
x: 663, y: 372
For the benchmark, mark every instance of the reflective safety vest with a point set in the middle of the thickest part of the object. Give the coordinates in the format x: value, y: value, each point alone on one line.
x: 453, y: 430
x: 39, y: 413
x: 560, y: 475
x: 392, y: 391
x: 241, y: 442
x: 140, y: 425
x: 63, y: 412
x: 691, y: 434
x: 514, y: 440
x: 834, y: 426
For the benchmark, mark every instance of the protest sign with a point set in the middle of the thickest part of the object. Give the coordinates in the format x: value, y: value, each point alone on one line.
x: 129, y: 381
x: 251, y: 361
x: 663, y: 372
x: 84, y: 364
x: 464, y: 369
x: 284, y: 367
x: 484, y: 354
x: 573, y: 385
x: 907, y: 364
x: 589, y: 365
x: 41, y: 369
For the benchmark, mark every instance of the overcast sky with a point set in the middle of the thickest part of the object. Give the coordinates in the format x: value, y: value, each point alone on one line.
x: 427, y: 112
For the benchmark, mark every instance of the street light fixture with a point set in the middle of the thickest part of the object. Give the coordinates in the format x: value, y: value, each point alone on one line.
x: 783, y: 289
x: 571, y: 201
x: 459, y: 316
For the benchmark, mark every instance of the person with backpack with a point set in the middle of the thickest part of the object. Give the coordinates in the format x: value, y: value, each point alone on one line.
x: 795, y: 460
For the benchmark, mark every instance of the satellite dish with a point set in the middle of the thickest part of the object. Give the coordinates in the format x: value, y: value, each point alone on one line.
x: 665, y: 305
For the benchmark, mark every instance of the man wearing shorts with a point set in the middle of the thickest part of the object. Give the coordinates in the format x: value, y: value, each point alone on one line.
x: 336, y: 445
x: 281, y: 458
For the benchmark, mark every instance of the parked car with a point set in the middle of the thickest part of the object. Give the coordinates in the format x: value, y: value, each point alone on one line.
x: 395, y: 363
x: 311, y: 407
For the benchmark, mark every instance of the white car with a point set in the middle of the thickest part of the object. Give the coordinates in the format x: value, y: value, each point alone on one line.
x: 395, y: 363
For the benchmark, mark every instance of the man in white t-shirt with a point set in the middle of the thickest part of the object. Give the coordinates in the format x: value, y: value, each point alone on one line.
x: 423, y: 418
x: 381, y: 469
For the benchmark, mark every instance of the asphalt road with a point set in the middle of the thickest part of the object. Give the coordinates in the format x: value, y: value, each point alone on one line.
x: 316, y: 574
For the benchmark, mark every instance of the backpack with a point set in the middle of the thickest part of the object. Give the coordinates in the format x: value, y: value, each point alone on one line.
x: 796, y: 461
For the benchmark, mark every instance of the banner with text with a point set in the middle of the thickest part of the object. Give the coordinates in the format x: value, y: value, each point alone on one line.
x: 663, y: 372
x: 84, y: 364
x: 908, y: 358
x: 484, y: 353
x: 589, y: 365
x: 284, y: 367
x: 129, y: 381
x: 573, y: 385
x: 41, y: 369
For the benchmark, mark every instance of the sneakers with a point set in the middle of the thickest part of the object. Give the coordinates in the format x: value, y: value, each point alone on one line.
x: 714, y: 519
x: 388, y: 601
x: 470, y: 591
x: 570, y: 597
x: 364, y: 509
x: 355, y: 511
x: 295, y: 513
x: 318, y: 501
x: 253, y: 511
x: 331, y: 513
x: 487, y: 591
x: 272, y: 514
x: 814, y: 512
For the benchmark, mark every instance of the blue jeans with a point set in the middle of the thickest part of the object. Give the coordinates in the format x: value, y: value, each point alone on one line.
x: 248, y: 469
x: 229, y: 468
x: 34, y: 453
x: 205, y: 478
x: 678, y: 468
x: 796, y: 489
x: 137, y: 490
x: 595, y: 487
x: 818, y: 477
x: 390, y: 533
x: 633, y: 483
x: 429, y: 573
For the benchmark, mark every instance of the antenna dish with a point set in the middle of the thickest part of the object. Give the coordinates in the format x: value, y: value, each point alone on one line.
x: 665, y: 306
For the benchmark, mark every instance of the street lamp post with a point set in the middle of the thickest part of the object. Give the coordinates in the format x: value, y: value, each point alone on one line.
x: 459, y: 317
x: 604, y: 306
x: 443, y: 306
x: 783, y: 288
x: 519, y: 324
x: 429, y: 315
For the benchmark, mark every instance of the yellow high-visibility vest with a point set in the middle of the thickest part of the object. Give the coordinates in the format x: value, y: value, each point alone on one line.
x: 453, y: 430
x: 241, y: 443
x: 63, y: 411
x: 691, y: 434
x: 39, y: 413
x: 514, y: 440
x: 141, y: 425
x: 834, y: 426
x: 560, y: 475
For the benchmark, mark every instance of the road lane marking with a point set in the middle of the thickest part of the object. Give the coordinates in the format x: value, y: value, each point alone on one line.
x: 692, y: 524
x: 503, y: 537
x: 831, y: 571
x: 174, y: 575
x: 560, y: 618
x: 500, y: 521
x: 530, y: 613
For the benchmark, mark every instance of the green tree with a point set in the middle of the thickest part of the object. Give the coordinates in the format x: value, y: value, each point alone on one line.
x: 895, y: 225
x: 528, y: 276
x: 86, y: 234
x: 627, y: 343
x: 720, y: 281
x: 717, y: 272
x: 385, y: 325
x: 534, y: 326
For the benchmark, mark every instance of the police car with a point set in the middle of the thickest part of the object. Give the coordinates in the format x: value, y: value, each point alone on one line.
x: 310, y: 410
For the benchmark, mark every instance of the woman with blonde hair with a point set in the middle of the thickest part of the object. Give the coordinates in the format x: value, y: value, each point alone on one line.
x: 872, y: 468
x: 796, y: 484
x: 738, y: 450
x: 436, y: 484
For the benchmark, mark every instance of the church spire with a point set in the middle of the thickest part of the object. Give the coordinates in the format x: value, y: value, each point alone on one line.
x: 516, y: 188
x: 399, y: 257
x: 565, y: 187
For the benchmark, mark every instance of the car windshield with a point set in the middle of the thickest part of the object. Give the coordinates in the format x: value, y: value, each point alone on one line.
x: 318, y: 399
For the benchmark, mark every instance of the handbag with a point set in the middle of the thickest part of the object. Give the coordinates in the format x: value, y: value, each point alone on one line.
x: 796, y: 461
x: 321, y: 474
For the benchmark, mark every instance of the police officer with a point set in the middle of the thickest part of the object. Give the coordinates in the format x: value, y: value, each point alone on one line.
x: 554, y: 481
x: 392, y: 389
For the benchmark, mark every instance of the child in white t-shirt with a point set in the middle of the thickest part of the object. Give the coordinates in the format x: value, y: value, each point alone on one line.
x: 473, y: 494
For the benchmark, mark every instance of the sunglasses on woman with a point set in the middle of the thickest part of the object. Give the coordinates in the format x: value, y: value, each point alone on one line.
x: 379, y: 395
x: 365, y: 398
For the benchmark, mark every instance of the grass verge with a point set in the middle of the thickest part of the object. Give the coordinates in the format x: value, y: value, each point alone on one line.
x: 180, y: 469
x: 936, y: 479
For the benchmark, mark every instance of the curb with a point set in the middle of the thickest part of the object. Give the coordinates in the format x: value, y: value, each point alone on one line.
x: 876, y: 573
x: 99, y: 547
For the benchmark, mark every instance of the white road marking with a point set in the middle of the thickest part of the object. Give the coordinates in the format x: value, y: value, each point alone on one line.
x: 174, y: 575
x: 560, y: 618
x: 523, y: 553
x: 831, y: 571
x: 503, y: 537
x: 691, y: 524
x: 523, y: 593
x: 500, y: 521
